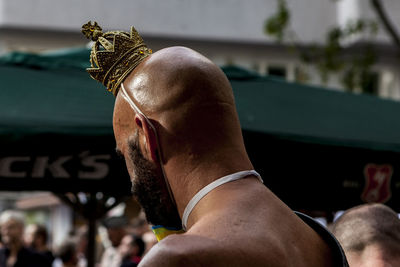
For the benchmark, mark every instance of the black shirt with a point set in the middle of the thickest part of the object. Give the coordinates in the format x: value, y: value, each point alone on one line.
x: 338, y: 255
x: 25, y: 258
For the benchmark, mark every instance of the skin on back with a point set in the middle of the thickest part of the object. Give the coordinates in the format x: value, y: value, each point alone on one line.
x: 231, y: 235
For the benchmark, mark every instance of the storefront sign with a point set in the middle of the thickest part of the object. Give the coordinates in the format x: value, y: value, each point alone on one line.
x: 83, y: 166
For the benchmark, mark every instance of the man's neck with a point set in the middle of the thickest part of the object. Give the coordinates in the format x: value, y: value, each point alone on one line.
x: 210, y: 187
x: 186, y: 181
x: 227, y: 197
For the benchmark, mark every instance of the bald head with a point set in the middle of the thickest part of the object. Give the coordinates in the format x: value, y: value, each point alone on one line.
x: 188, y: 97
x: 175, y: 76
x: 369, y: 227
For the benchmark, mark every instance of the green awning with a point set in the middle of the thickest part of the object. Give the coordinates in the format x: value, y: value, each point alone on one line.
x: 50, y: 94
x: 318, y: 115
x: 53, y: 93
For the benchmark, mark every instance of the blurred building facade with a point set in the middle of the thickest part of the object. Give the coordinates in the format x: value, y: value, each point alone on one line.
x: 227, y: 31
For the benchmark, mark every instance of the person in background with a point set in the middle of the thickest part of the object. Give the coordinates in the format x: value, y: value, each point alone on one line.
x: 116, y: 230
x: 149, y: 240
x: 140, y: 225
x: 369, y: 235
x: 36, y: 238
x: 81, y: 237
x: 14, y: 253
x: 67, y: 253
x: 131, y: 250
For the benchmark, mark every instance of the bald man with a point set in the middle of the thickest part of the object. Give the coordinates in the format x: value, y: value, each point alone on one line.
x: 176, y: 125
x: 370, y: 235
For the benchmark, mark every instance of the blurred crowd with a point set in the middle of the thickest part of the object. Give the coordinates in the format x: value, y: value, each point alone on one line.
x: 369, y: 235
x: 119, y: 243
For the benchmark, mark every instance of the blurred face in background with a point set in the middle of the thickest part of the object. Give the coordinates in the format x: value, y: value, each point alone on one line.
x: 29, y: 235
x: 150, y: 240
x: 11, y: 232
x: 115, y: 235
x: 126, y: 248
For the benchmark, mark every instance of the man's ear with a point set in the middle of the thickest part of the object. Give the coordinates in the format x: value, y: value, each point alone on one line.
x: 150, y: 135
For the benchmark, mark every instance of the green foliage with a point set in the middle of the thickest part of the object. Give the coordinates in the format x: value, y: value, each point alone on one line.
x: 330, y: 57
x: 358, y: 73
x: 276, y: 25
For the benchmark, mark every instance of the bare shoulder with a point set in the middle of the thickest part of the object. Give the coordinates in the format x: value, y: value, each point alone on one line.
x: 183, y: 250
x: 196, y: 250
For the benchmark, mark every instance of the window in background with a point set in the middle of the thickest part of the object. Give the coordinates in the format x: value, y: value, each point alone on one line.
x: 371, y: 83
x: 277, y: 71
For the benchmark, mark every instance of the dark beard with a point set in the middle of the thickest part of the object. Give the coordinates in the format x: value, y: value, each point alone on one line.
x: 151, y: 192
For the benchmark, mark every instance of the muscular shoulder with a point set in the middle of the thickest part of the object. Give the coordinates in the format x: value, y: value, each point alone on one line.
x: 182, y: 250
x: 194, y: 250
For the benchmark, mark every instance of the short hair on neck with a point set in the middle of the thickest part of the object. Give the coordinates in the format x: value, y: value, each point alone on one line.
x: 368, y: 224
x: 8, y: 215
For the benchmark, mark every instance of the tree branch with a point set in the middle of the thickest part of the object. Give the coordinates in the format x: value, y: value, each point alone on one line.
x: 391, y: 30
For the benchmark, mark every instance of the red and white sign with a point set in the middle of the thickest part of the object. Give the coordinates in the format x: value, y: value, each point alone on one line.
x: 377, y: 183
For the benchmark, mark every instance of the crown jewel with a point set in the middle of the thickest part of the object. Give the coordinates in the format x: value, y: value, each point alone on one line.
x: 114, y: 54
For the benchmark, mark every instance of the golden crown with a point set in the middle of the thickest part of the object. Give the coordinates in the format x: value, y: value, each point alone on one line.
x: 114, y: 54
